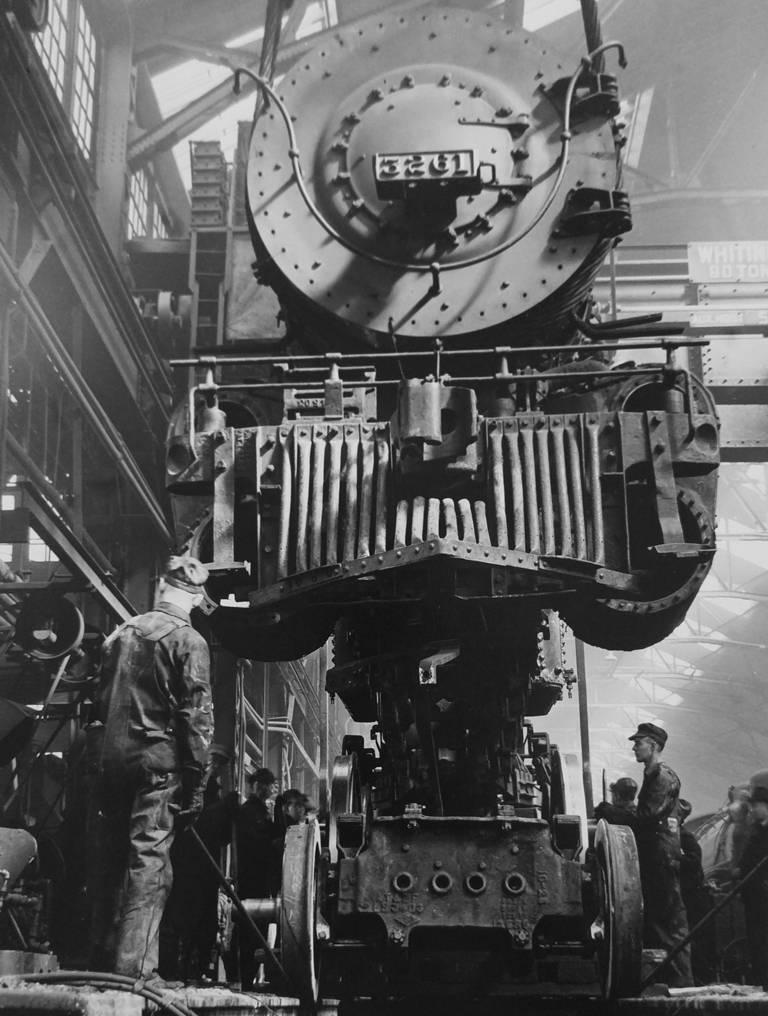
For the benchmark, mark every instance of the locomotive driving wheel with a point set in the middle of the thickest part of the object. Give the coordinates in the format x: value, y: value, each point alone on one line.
x: 618, y: 927
x: 300, y: 916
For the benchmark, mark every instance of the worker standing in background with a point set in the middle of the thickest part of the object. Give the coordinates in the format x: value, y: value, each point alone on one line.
x: 622, y: 809
x: 254, y: 833
x: 190, y: 925
x: 755, y: 893
x: 657, y: 831
x: 155, y: 720
x: 697, y: 898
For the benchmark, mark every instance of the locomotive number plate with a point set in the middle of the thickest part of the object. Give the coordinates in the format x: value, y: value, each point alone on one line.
x: 413, y: 166
x: 427, y: 176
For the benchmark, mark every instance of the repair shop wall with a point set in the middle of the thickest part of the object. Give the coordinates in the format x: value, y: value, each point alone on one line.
x: 88, y: 396
x: 304, y: 727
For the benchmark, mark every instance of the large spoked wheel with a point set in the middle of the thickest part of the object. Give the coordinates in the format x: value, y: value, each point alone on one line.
x: 618, y: 926
x: 300, y: 911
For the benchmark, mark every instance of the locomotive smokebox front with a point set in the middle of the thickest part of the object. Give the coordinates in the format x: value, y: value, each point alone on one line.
x: 427, y: 174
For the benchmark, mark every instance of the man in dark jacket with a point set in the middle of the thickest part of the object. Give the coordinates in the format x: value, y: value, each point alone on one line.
x: 254, y: 833
x: 697, y: 898
x: 621, y: 810
x: 190, y: 926
x: 155, y: 720
x: 657, y: 831
x: 755, y: 893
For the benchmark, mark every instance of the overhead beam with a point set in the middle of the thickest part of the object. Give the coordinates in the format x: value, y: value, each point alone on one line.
x: 198, y: 19
x: 227, y: 56
x: 180, y: 125
x: 198, y: 112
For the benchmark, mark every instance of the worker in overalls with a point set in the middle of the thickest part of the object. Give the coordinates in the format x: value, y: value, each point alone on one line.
x: 657, y: 831
x: 155, y: 721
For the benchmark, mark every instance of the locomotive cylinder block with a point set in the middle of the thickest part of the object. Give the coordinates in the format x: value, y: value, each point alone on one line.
x: 461, y: 873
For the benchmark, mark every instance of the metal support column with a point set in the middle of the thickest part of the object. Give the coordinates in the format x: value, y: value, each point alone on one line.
x: 586, y: 760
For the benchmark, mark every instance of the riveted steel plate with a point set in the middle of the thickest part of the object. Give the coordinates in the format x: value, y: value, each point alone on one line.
x: 430, y: 81
x: 736, y: 361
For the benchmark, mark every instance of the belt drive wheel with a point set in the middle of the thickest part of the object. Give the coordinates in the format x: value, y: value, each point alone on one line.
x: 618, y: 927
x: 300, y: 910
x: 345, y: 797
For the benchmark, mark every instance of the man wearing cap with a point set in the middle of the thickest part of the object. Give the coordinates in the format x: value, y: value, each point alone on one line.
x: 156, y: 718
x: 254, y: 832
x: 657, y: 832
x: 755, y: 893
x: 622, y: 808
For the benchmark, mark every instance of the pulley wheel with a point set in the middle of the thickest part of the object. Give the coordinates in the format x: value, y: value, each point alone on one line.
x: 48, y: 626
x: 619, y: 922
x: 300, y: 910
x: 345, y: 797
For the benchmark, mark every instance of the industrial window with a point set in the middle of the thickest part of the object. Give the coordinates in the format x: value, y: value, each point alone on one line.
x: 138, y: 205
x: 7, y: 504
x: 84, y: 83
x: 159, y: 227
x: 52, y: 45
x: 38, y: 549
x: 145, y: 214
x: 68, y: 50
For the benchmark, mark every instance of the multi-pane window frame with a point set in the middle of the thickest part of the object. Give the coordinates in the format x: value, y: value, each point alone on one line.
x: 159, y: 223
x: 146, y: 217
x: 139, y: 220
x: 76, y: 83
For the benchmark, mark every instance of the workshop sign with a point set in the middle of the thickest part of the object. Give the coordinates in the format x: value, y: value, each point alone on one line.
x: 722, y: 261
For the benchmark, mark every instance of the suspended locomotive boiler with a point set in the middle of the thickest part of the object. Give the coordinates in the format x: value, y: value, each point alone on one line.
x: 459, y: 459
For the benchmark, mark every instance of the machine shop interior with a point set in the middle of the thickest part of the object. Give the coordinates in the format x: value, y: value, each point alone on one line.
x: 173, y: 381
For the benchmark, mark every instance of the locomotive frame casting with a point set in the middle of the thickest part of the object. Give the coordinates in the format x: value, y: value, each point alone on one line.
x: 462, y: 459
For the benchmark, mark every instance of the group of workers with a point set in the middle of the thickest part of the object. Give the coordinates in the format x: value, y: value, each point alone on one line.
x: 676, y: 897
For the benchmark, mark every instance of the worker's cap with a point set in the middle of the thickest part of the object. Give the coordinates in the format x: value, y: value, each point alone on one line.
x: 186, y: 572
x: 684, y: 808
x: 262, y: 776
x: 625, y: 786
x: 758, y: 786
x: 294, y: 796
x: 657, y: 734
